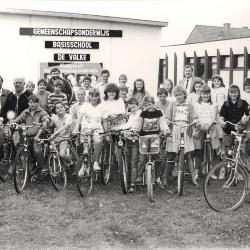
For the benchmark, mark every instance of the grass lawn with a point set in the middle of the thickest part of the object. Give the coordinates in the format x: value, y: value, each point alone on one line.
x: 42, y: 218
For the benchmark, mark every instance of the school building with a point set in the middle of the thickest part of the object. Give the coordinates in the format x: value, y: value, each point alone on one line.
x: 33, y: 42
x: 210, y: 50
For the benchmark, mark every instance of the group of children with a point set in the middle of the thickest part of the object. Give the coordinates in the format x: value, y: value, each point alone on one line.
x: 209, y: 108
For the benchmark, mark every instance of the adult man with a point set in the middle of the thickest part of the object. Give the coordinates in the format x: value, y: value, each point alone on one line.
x: 66, y: 88
x: 3, y: 93
x: 189, y: 80
x: 102, y: 85
x: 16, y: 101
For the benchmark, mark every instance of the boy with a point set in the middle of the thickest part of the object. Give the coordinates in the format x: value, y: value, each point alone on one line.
x: 31, y: 115
x: 57, y: 96
x: 30, y: 86
x: 151, y: 121
x: 123, y: 95
x: 86, y: 84
x: 132, y: 144
x: 162, y: 104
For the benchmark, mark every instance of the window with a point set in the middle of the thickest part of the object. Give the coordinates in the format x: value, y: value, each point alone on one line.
x: 162, y: 71
x: 212, y: 66
x: 225, y: 62
x: 238, y: 61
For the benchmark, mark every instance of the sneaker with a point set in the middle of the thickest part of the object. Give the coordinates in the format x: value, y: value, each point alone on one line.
x: 96, y: 166
x: 239, y: 177
x: 81, y: 172
x: 222, y: 174
x: 131, y: 188
x: 158, y: 181
x: 213, y: 176
x: 196, y: 175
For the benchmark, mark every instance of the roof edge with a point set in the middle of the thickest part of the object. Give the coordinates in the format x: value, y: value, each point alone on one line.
x: 84, y: 16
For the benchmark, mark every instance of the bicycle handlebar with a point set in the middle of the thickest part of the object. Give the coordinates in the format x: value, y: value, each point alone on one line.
x: 113, y: 131
x: 184, y: 125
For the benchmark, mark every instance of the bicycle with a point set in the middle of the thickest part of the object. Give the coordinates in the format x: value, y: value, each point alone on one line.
x: 150, y: 145
x: 114, y: 151
x: 56, y: 169
x: 85, y: 164
x: 228, y: 191
x: 180, y: 156
x: 22, y: 158
x: 9, y: 152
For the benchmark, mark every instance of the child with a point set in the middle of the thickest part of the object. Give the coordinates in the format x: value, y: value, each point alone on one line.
x: 206, y: 112
x: 43, y: 94
x: 62, y: 123
x: 90, y: 117
x: 132, y: 144
x: 168, y: 85
x: 218, y: 92
x: 31, y: 115
x: 30, y: 86
x: 194, y: 96
x: 234, y: 110
x: 124, y: 94
x: 57, y: 96
x: 86, y: 84
x: 151, y: 121
x: 139, y: 91
x: 113, y: 106
x: 122, y: 80
x: 246, y: 90
x: 180, y: 112
x: 163, y: 103
x: 76, y: 107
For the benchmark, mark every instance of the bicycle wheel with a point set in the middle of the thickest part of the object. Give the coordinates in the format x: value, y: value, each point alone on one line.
x: 222, y: 191
x: 106, y: 161
x: 6, y: 164
x: 148, y: 169
x: 57, y: 172
x: 85, y: 180
x: 180, y: 171
x: 21, y: 169
x: 122, y: 164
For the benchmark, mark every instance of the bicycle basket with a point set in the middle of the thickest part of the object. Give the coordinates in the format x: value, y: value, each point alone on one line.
x: 115, y: 121
x: 149, y: 144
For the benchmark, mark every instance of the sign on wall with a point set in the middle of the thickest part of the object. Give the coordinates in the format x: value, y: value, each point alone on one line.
x: 71, y: 45
x: 23, y: 31
x: 73, y: 71
x: 71, y: 57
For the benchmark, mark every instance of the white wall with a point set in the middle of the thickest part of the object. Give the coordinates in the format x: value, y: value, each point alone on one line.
x: 224, y: 46
x: 135, y: 54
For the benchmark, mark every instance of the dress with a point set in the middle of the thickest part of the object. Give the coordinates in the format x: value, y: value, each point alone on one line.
x: 181, y: 113
x: 193, y: 98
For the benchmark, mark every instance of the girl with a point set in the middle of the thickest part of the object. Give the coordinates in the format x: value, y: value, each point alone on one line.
x: 43, y: 94
x: 218, y: 92
x: 194, y: 96
x: 113, y: 106
x: 246, y: 90
x: 62, y: 123
x: 180, y: 112
x: 90, y: 117
x: 168, y: 85
x: 139, y: 91
x: 206, y: 112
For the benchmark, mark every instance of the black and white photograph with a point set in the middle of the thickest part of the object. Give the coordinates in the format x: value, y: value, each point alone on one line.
x: 124, y: 124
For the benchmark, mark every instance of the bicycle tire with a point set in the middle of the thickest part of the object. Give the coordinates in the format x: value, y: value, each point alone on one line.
x: 122, y: 164
x: 180, y: 171
x: 106, y: 162
x: 20, y: 171
x: 85, y: 181
x: 209, y: 157
x: 223, y: 194
x: 6, y: 164
x: 58, y: 176
x: 149, y: 182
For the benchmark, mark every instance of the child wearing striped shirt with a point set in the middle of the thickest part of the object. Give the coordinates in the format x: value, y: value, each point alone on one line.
x: 57, y: 96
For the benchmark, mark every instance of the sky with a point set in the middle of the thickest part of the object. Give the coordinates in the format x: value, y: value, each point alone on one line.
x: 181, y: 15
